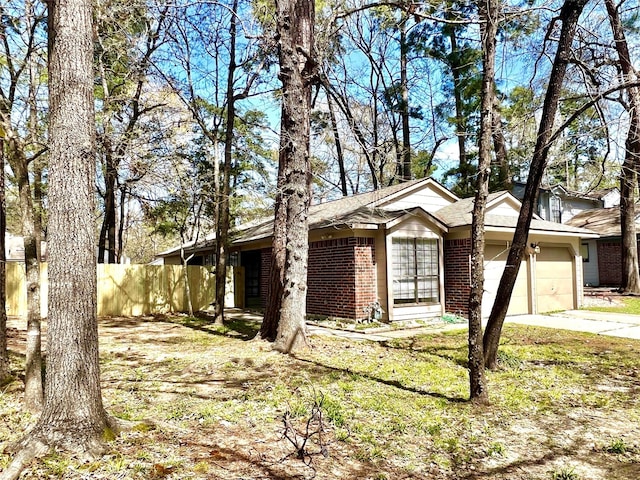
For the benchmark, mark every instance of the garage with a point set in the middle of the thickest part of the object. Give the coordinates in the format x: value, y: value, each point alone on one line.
x: 550, y: 277
x: 555, y: 278
x: 495, y: 261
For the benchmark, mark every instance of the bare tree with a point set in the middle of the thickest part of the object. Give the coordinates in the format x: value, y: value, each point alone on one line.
x: 124, y: 54
x: 223, y: 192
x: 21, y: 47
x: 369, y: 94
x: 284, y: 320
x: 208, y: 35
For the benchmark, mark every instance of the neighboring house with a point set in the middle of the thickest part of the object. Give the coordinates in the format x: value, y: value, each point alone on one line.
x: 602, y: 257
x: 407, y: 249
x: 557, y: 204
x: 14, y: 248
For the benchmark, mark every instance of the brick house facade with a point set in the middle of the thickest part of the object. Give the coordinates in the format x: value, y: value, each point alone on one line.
x: 456, y: 274
x: 405, y: 248
x: 604, y: 268
x: 341, y: 277
x: 610, y: 262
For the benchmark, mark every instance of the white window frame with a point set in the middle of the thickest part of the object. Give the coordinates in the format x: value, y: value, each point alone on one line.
x: 416, y: 271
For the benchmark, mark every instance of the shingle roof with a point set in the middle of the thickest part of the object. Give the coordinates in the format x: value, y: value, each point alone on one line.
x: 192, y: 246
x: 355, y: 209
x: 365, y: 209
x: 605, y: 221
x: 459, y: 214
x: 355, y: 202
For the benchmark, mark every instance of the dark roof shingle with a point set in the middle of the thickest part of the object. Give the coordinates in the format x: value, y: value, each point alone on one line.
x: 604, y: 221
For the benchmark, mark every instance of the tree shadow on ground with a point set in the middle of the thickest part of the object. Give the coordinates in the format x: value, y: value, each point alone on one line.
x: 389, y: 382
x: 558, y: 462
x: 417, y: 344
x: 265, y: 457
x: 157, y: 376
x: 243, y: 328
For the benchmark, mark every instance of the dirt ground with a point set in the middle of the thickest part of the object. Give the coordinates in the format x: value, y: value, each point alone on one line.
x: 573, y: 444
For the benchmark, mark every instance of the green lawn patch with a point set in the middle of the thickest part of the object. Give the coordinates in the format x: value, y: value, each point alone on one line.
x: 207, y: 402
x: 629, y: 305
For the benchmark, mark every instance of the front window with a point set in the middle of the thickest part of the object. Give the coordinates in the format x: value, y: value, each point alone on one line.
x: 556, y: 209
x: 415, y: 270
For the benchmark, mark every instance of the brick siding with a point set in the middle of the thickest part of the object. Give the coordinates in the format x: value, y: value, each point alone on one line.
x: 456, y: 275
x: 610, y: 262
x: 366, y: 277
x: 341, y: 278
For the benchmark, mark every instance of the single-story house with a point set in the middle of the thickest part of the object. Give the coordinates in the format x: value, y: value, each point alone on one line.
x: 403, y: 251
x: 602, y: 256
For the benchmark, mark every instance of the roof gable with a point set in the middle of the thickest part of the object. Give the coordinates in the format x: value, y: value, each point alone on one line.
x: 417, y: 212
x: 498, y: 203
x: 500, y: 214
x: 503, y: 203
x: 383, y: 205
x: 427, y: 194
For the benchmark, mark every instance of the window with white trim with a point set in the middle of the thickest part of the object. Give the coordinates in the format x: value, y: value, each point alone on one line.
x: 415, y: 271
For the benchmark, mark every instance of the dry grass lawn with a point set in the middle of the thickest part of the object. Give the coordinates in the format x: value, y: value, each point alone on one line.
x: 208, y: 403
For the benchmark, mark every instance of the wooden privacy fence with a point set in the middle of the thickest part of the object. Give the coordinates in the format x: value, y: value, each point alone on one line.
x: 127, y: 290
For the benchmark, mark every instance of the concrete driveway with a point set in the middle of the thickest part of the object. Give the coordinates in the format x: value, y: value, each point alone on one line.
x: 611, y: 324
x: 601, y: 323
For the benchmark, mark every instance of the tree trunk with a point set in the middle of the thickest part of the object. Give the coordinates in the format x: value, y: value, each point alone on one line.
x: 223, y: 220
x: 287, y: 297
x: 569, y: 15
x: 489, y: 10
x: 629, y: 176
x: 5, y: 370
x: 460, y: 118
x: 123, y: 220
x: 185, y: 267
x: 338, y: 142
x: 630, y: 282
x: 33, y: 390
x: 406, y: 132
x: 38, y: 203
x: 275, y: 291
x: 73, y: 417
x: 500, y: 147
x: 38, y: 194
x: 73, y: 400
x: 108, y: 230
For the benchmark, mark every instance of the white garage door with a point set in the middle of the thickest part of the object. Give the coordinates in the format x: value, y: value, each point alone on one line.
x: 495, y: 260
x: 554, y: 279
